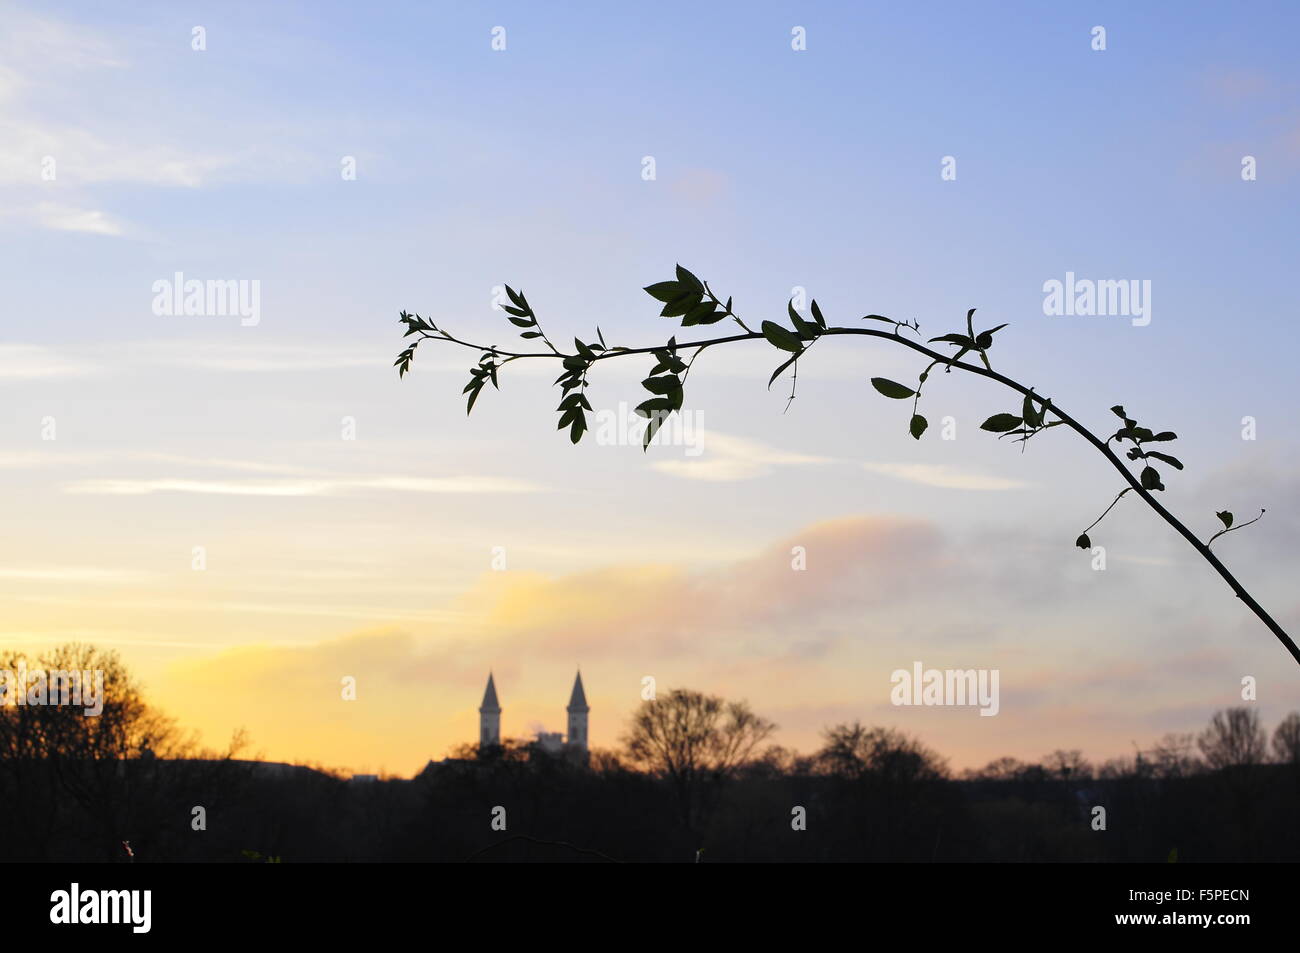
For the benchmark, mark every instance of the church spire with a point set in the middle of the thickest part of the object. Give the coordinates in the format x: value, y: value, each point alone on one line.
x: 490, y: 703
x: 578, y: 717
x: 489, y: 717
x: 578, y: 699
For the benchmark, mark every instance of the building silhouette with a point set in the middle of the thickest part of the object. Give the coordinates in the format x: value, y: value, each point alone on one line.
x: 572, y: 744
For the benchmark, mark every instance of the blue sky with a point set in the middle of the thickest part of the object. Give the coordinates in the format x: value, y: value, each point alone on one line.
x: 775, y: 169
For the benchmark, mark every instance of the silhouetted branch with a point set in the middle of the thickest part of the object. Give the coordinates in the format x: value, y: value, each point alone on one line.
x: 686, y: 298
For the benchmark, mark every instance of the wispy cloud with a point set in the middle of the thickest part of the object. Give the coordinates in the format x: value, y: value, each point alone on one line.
x: 725, y: 458
x: 79, y: 574
x: 66, y: 218
x: 316, y: 487
x: 944, y: 475
x: 28, y: 361
x: 30, y: 459
x: 251, y: 357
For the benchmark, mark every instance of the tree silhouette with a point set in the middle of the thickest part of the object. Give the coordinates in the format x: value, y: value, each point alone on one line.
x: 696, y: 742
x: 1234, y: 737
x: 694, y: 302
x: 110, y: 765
x: 855, y: 752
x: 1286, y: 739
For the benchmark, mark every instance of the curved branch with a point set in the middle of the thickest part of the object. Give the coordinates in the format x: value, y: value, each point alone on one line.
x: 987, y: 371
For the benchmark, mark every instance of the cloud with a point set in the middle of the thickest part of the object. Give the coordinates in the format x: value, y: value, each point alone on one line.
x: 65, y: 218
x: 725, y: 458
x: 29, y: 459
x: 316, y: 487
x: 807, y: 644
x: 254, y: 357
x: 49, y: 57
x: 29, y: 361
x: 255, y: 466
x: 250, y: 357
x: 851, y: 564
x: 945, y: 476
x: 79, y: 574
x: 31, y: 40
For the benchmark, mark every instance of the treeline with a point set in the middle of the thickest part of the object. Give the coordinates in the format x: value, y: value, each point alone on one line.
x: 694, y: 780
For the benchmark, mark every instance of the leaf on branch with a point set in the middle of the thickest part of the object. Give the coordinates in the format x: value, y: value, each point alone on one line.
x: 664, y: 384
x: 777, y: 373
x: 808, y: 330
x: 958, y: 339
x: 1172, y: 461
x: 985, y: 339
x: 892, y: 388
x: 780, y: 337
x: 817, y: 314
x: 688, y: 280
x: 1226, y: 519
x: 1150, y: 479
x: 473, y: 388
x: 1001, y: 423
x: 1083, y: 542
x: 918, y: 426
x: 1033, y: 417
x: 517, y: 297
x: 403, y: 362
x: 578, y: 428
x: 681, y: 304
x: 703, y: 313
x: 664, y: 291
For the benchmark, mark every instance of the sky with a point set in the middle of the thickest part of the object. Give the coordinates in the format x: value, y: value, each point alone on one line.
x: 355, y: 161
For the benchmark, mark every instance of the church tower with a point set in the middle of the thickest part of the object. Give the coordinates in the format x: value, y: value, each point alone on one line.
x: 578, y: 716
x: 489, y: 717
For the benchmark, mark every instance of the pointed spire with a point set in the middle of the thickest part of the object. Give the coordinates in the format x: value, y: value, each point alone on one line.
x: 490, y: 703
x: 578, y: 700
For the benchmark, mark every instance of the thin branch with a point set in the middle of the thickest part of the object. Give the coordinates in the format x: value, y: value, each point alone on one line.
x: 1233, y: 528
x: 1107, y: 510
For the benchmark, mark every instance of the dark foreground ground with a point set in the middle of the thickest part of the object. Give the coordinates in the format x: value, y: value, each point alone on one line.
x: 554, y: 810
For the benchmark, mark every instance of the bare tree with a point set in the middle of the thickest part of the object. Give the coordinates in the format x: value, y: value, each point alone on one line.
x: 1286, y: 739
x: 999, y: 769
x: 1067, y: 765
x: 855, y: 752
x: 1172, y: 756
x: 697, y: 742
x: 1234, y: 737
x: 110, y: 765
